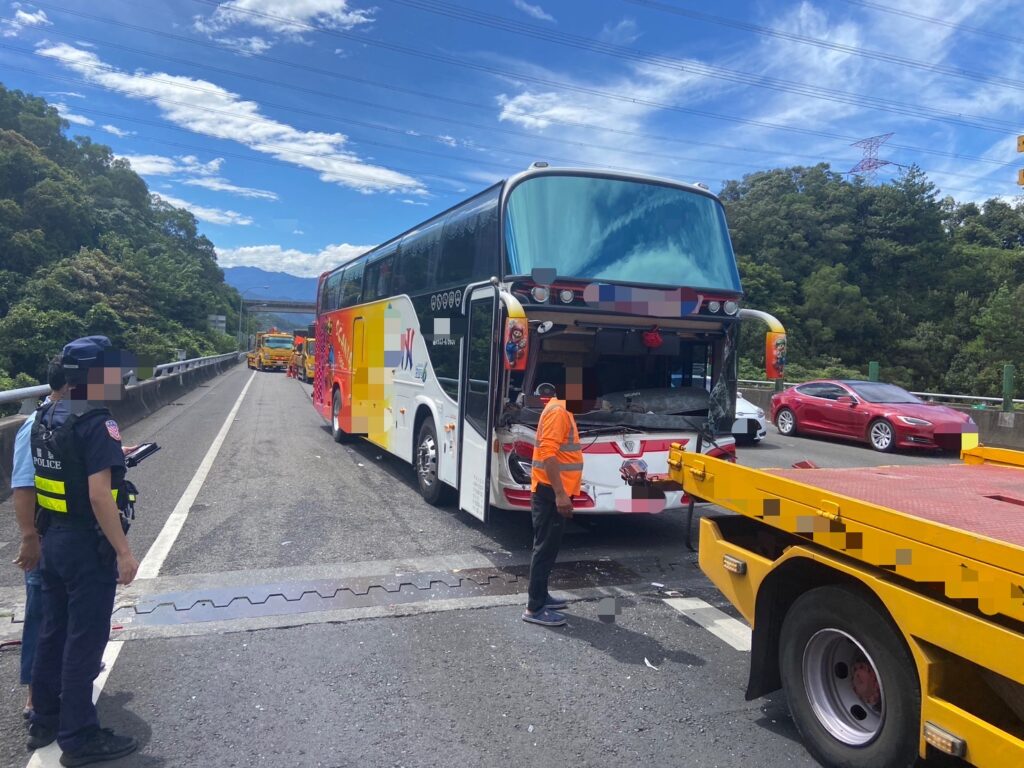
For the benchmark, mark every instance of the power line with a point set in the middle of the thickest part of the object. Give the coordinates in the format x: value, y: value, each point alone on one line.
x: 464, y: 64
x: 492, y: 21
x: 933, y: 20
x: 890, y: 58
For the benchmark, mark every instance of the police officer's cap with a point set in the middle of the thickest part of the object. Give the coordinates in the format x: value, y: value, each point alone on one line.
x: 85, y: 352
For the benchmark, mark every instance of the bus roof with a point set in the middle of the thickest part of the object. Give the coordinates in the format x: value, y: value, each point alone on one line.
x: 512, y: 181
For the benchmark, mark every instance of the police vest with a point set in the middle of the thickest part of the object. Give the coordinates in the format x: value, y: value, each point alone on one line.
x: 62, y: 485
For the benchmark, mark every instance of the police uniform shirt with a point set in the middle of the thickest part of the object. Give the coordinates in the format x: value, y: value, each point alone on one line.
x: 97, y: 435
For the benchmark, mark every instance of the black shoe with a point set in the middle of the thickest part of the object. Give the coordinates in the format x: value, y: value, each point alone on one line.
x: 39, y: 736
x: 103, y: 745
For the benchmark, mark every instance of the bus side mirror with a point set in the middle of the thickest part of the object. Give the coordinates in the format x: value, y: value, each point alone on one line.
x: 514, y: 351
x: 774, y: 355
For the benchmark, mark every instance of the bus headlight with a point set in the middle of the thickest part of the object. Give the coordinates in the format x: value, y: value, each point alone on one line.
x: 540, y: 294
x: 731, y: 307
x: 714, y: 306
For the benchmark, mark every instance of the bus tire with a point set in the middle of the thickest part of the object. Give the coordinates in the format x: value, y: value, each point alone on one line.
x: 850, y: 681
x: 425, y: 463
x: 785, y: 422
x: 339, y: 435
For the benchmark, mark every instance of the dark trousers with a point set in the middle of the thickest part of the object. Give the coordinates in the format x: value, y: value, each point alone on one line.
x: 79, y: 573
x: 33, y: 618
x: 548, y: 527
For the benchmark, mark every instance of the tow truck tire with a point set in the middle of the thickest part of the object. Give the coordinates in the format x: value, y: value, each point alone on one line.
x: 785, y: 422
x: 424, y: 461
x: 850, y: 681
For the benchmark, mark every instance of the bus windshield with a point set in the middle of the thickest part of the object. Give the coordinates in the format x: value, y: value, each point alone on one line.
x: 619, y: 230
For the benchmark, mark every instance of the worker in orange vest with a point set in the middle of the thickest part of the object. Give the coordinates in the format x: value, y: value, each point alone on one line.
x: 554, y: 480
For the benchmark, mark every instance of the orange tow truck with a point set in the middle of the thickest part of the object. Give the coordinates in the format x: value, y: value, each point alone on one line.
x: 272, y: 351
x: 887, y: 602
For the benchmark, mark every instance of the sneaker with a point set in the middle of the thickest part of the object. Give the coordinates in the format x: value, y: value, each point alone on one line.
x: 555, y: 604
x: 545, y: 617
x: 40, y: 736
x: 103, y: 745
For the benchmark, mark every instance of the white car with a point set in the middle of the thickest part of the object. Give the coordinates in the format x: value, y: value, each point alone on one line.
x: 750, y: 425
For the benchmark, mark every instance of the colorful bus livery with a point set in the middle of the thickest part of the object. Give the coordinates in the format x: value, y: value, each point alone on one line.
x: 433, y: 344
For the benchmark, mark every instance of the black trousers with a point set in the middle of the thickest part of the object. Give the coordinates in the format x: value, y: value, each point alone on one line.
x: 548, y: 527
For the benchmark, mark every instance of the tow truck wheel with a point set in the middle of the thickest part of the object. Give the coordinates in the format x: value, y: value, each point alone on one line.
x: 850, y: 681
x: 881, y: 435
x: 426, y: 464
x: 785, y: 422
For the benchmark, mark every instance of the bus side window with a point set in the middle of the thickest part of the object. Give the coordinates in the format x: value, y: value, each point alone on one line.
x: 470, y: 242
x: 353, y: 284
x: 419, y: 254
x: 378, y: 278
x: 332, y: 291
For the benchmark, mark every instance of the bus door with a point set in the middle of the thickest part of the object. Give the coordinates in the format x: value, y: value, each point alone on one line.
x: 475, y: 395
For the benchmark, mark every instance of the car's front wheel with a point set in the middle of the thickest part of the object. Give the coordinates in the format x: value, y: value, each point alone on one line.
x: 785, y: 422
x: 881, y: 436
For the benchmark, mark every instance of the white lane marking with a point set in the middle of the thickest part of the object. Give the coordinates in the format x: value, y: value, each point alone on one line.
x: 154, y: 559
x: 721, y: 625
x: 49, y: 757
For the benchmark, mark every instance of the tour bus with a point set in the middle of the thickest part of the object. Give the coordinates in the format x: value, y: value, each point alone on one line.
x: 435, y: 344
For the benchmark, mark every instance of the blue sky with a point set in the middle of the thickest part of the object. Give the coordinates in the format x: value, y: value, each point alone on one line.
x: 300, y: 132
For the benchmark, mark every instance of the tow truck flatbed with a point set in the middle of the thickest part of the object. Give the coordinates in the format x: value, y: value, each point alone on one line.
x: 910, y: 576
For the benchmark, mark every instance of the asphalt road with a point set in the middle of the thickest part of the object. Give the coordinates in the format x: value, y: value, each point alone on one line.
x: 314, y: 611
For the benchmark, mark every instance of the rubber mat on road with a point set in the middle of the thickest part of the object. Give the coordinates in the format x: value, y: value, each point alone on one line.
x: 329, y: 595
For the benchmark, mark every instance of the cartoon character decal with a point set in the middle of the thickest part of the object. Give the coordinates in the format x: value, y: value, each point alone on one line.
x: 775, y: 355
x: 516, y: 341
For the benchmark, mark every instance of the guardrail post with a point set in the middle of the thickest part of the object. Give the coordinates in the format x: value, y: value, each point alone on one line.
x: 1008, y: 371
x: 779, y: 385
x: 873, y: 370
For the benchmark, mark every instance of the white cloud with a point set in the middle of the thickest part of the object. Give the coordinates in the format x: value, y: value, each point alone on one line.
x: 413, y: 202
x: 298, y: 232
x: 70, y: 94
x: 113, y: 129
x: 159, y: 165
x: 71, y: 117
x: 275, y: 258
x: 22, y: 19
x: 288, y: 18
x: 622, y: 33
x: 246, y: 46
x: 449, y: 141
x: 533, y: 10
x: 207, y: 109
x: 222, y: 185
x: 209, y: 215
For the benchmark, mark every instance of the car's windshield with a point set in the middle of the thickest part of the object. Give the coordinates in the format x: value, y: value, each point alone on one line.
x: 883, y: 393
x: 619, y: 230
x: 278, y: 342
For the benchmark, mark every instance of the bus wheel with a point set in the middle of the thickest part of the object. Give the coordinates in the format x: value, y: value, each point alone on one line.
x: 426, y: 464
x: 339, y: 435
x: 850, y: 681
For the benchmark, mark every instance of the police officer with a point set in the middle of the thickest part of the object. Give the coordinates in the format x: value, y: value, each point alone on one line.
x: 80, y: 469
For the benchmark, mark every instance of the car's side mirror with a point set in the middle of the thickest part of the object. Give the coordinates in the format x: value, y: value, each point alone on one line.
x: 848, y: 399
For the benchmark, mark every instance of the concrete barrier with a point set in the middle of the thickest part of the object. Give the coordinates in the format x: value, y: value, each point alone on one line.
x: 995, y: 428
x: 140, y: 401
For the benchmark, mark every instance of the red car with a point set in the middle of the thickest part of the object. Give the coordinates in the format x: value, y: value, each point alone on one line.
x: 883, y: 415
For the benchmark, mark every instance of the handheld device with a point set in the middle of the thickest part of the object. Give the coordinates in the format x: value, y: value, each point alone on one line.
x: 134, y: 458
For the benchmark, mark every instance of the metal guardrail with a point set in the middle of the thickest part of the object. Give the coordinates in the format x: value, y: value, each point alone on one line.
x: 934, y: 396
x: 31, y: 394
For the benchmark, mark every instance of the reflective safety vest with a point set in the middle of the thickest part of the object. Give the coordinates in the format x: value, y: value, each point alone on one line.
x: 558, y: 437
x: 62, y: 486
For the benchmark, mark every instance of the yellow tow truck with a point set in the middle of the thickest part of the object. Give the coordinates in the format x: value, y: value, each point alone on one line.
x: 272, y: 351
x: 887, y: 602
